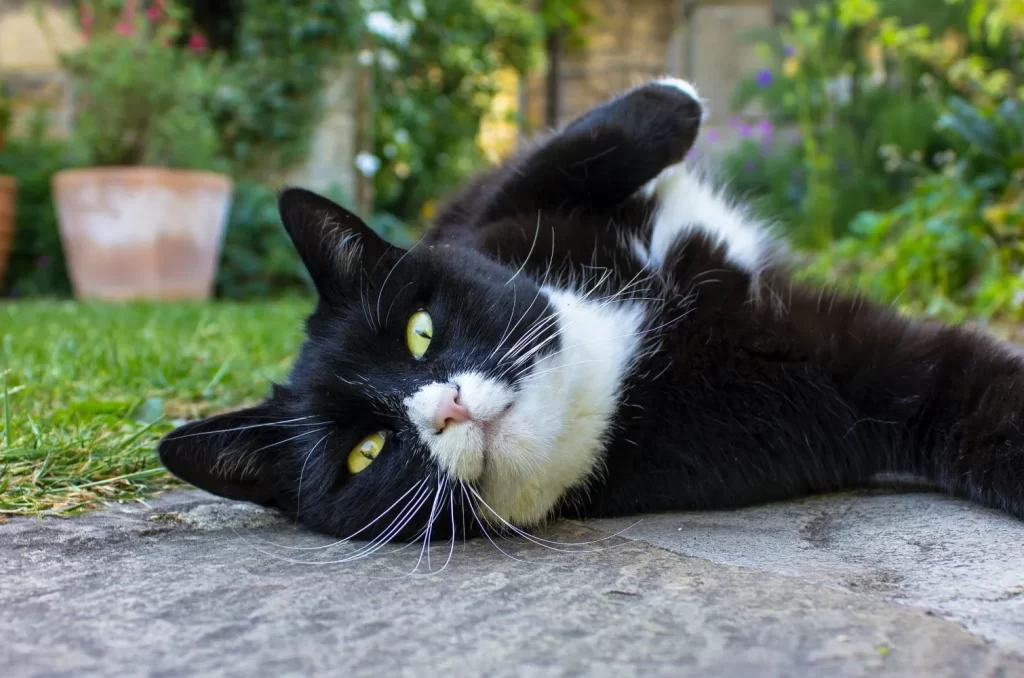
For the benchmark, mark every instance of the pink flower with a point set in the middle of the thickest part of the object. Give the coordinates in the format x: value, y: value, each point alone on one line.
x: 86, y: 19
x: 124, y: 28
x: 154, y: 13
x: 197, y: 43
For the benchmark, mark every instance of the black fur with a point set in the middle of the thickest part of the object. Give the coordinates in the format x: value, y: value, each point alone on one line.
x: 751, y: 387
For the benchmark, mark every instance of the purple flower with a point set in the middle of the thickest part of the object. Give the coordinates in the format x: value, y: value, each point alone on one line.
x: 712, y: 136
x: 746, y: 131
x: 43, y: 261
x: 788, y: 50
x: 764, y: 78
x: 765, y: 129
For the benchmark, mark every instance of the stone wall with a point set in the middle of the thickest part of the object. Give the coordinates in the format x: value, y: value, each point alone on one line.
x: 704, y: 41
x: 33, y: 35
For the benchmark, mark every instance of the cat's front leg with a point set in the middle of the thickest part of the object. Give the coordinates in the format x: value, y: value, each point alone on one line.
x: 595, y: 163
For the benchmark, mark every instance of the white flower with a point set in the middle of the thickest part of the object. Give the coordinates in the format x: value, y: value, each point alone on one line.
x: 367, y: 164
x: 418, y: 9
x: 386, y: 26
x: 402, y: 136
x: 365, y: 57
x: 387, y: 60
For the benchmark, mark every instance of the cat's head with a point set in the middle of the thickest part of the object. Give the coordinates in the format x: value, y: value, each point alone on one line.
x: 427, y: 375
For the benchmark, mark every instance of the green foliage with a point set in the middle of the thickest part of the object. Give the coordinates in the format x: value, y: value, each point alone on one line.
x: 259, y: 260
x: 913, y: 115
x: 955, y: 246
x: 36, y: 266
x: 571, y: 17
x: 434, y: 72
x: 5, y: 112
x: 270, y: 98
x: 140, y: 98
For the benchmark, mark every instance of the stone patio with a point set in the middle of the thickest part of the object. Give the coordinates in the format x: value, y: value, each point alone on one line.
x: 874, y: 583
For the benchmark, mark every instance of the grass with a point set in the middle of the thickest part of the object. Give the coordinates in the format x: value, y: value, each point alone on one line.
x: 87, y: 390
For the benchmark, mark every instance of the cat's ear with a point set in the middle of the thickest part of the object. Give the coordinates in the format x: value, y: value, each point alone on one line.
x: 230, y: 454
x: 332, y: 242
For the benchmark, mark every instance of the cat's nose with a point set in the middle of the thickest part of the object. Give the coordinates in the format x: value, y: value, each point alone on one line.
x: 449, y: 411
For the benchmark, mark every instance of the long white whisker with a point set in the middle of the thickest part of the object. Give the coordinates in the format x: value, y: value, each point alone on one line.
x: 354, y: 534
x: 380, y: 292
x: 483, y: 527
x: 536, y: 233
x: 298, y: 499
x: 282, y: 424
x: 540, y: 541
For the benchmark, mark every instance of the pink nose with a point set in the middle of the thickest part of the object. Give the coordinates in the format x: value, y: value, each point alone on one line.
x: 449, y: 411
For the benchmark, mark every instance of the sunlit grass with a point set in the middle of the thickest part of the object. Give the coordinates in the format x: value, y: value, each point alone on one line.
x: 87, y: 390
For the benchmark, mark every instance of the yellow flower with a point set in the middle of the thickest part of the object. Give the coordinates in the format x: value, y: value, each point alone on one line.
x: 428, y: 210
x: 790, y: 66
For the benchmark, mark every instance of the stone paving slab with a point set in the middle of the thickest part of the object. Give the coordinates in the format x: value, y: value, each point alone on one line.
x: 191, y: 586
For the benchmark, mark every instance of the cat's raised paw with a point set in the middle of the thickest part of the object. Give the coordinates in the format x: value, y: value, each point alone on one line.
x: 682, y: 85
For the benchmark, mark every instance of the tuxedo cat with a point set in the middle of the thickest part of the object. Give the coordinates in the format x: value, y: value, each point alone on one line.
x: 593, y: 329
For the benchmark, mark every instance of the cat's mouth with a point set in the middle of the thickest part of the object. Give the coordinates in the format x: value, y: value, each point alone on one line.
x: 492, y: 426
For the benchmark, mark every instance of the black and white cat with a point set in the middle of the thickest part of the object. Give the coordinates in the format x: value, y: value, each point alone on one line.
x: 593, y: 329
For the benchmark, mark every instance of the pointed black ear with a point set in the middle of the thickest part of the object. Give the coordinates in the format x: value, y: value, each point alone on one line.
x: 332, y: 242
x: 231, y: 454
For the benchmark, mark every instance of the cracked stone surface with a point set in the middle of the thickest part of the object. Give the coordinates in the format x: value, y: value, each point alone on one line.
x: 874, y: 583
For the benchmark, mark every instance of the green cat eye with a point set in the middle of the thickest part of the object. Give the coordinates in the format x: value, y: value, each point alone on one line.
x: 418, y: 333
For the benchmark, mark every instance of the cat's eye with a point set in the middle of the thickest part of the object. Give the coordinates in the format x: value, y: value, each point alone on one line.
x: 363, y: 454
x: 418, y: 333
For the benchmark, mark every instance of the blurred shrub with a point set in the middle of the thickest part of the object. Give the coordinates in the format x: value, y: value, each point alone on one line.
x: 278, y: 53
x: 860, y: 87
x: 141, y: 98
x: 955, y: 246
x: 36, y: 267
x: 940, y: 164
x: 259, y: 260
x: 435, y: 68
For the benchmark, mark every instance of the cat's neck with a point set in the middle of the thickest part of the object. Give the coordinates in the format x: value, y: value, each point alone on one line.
x: 579, y: 386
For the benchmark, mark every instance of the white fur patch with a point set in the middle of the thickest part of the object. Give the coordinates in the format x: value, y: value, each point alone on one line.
x: 525, y: 449
x: 688, y: 203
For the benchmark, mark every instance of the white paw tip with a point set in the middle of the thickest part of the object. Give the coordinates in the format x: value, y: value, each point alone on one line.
x: 681, y: 85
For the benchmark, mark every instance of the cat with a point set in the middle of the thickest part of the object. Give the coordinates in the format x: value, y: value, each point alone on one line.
x: 593, y: 329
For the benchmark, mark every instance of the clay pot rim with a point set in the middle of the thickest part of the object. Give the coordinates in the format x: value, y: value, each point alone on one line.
x: 143, y: 174
x: 7, y: 183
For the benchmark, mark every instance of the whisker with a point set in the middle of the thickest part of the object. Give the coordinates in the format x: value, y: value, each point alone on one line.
x: 536, y: 233
x: 298, y: 499
x: 286, y: 440
x: 380, y: 292
x: 483, y: 527
x: 282, y: 424
x: 354, y: 534
x: 540, y: 541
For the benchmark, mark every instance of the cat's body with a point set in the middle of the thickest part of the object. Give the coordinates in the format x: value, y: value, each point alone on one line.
x: 606, y: 335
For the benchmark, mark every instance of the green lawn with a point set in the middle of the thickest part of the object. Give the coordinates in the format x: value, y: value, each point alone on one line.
x: 87, y: 390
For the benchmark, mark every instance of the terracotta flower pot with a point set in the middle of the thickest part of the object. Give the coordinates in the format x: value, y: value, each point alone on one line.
x: 141, y: 232
x: 7, y: 198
